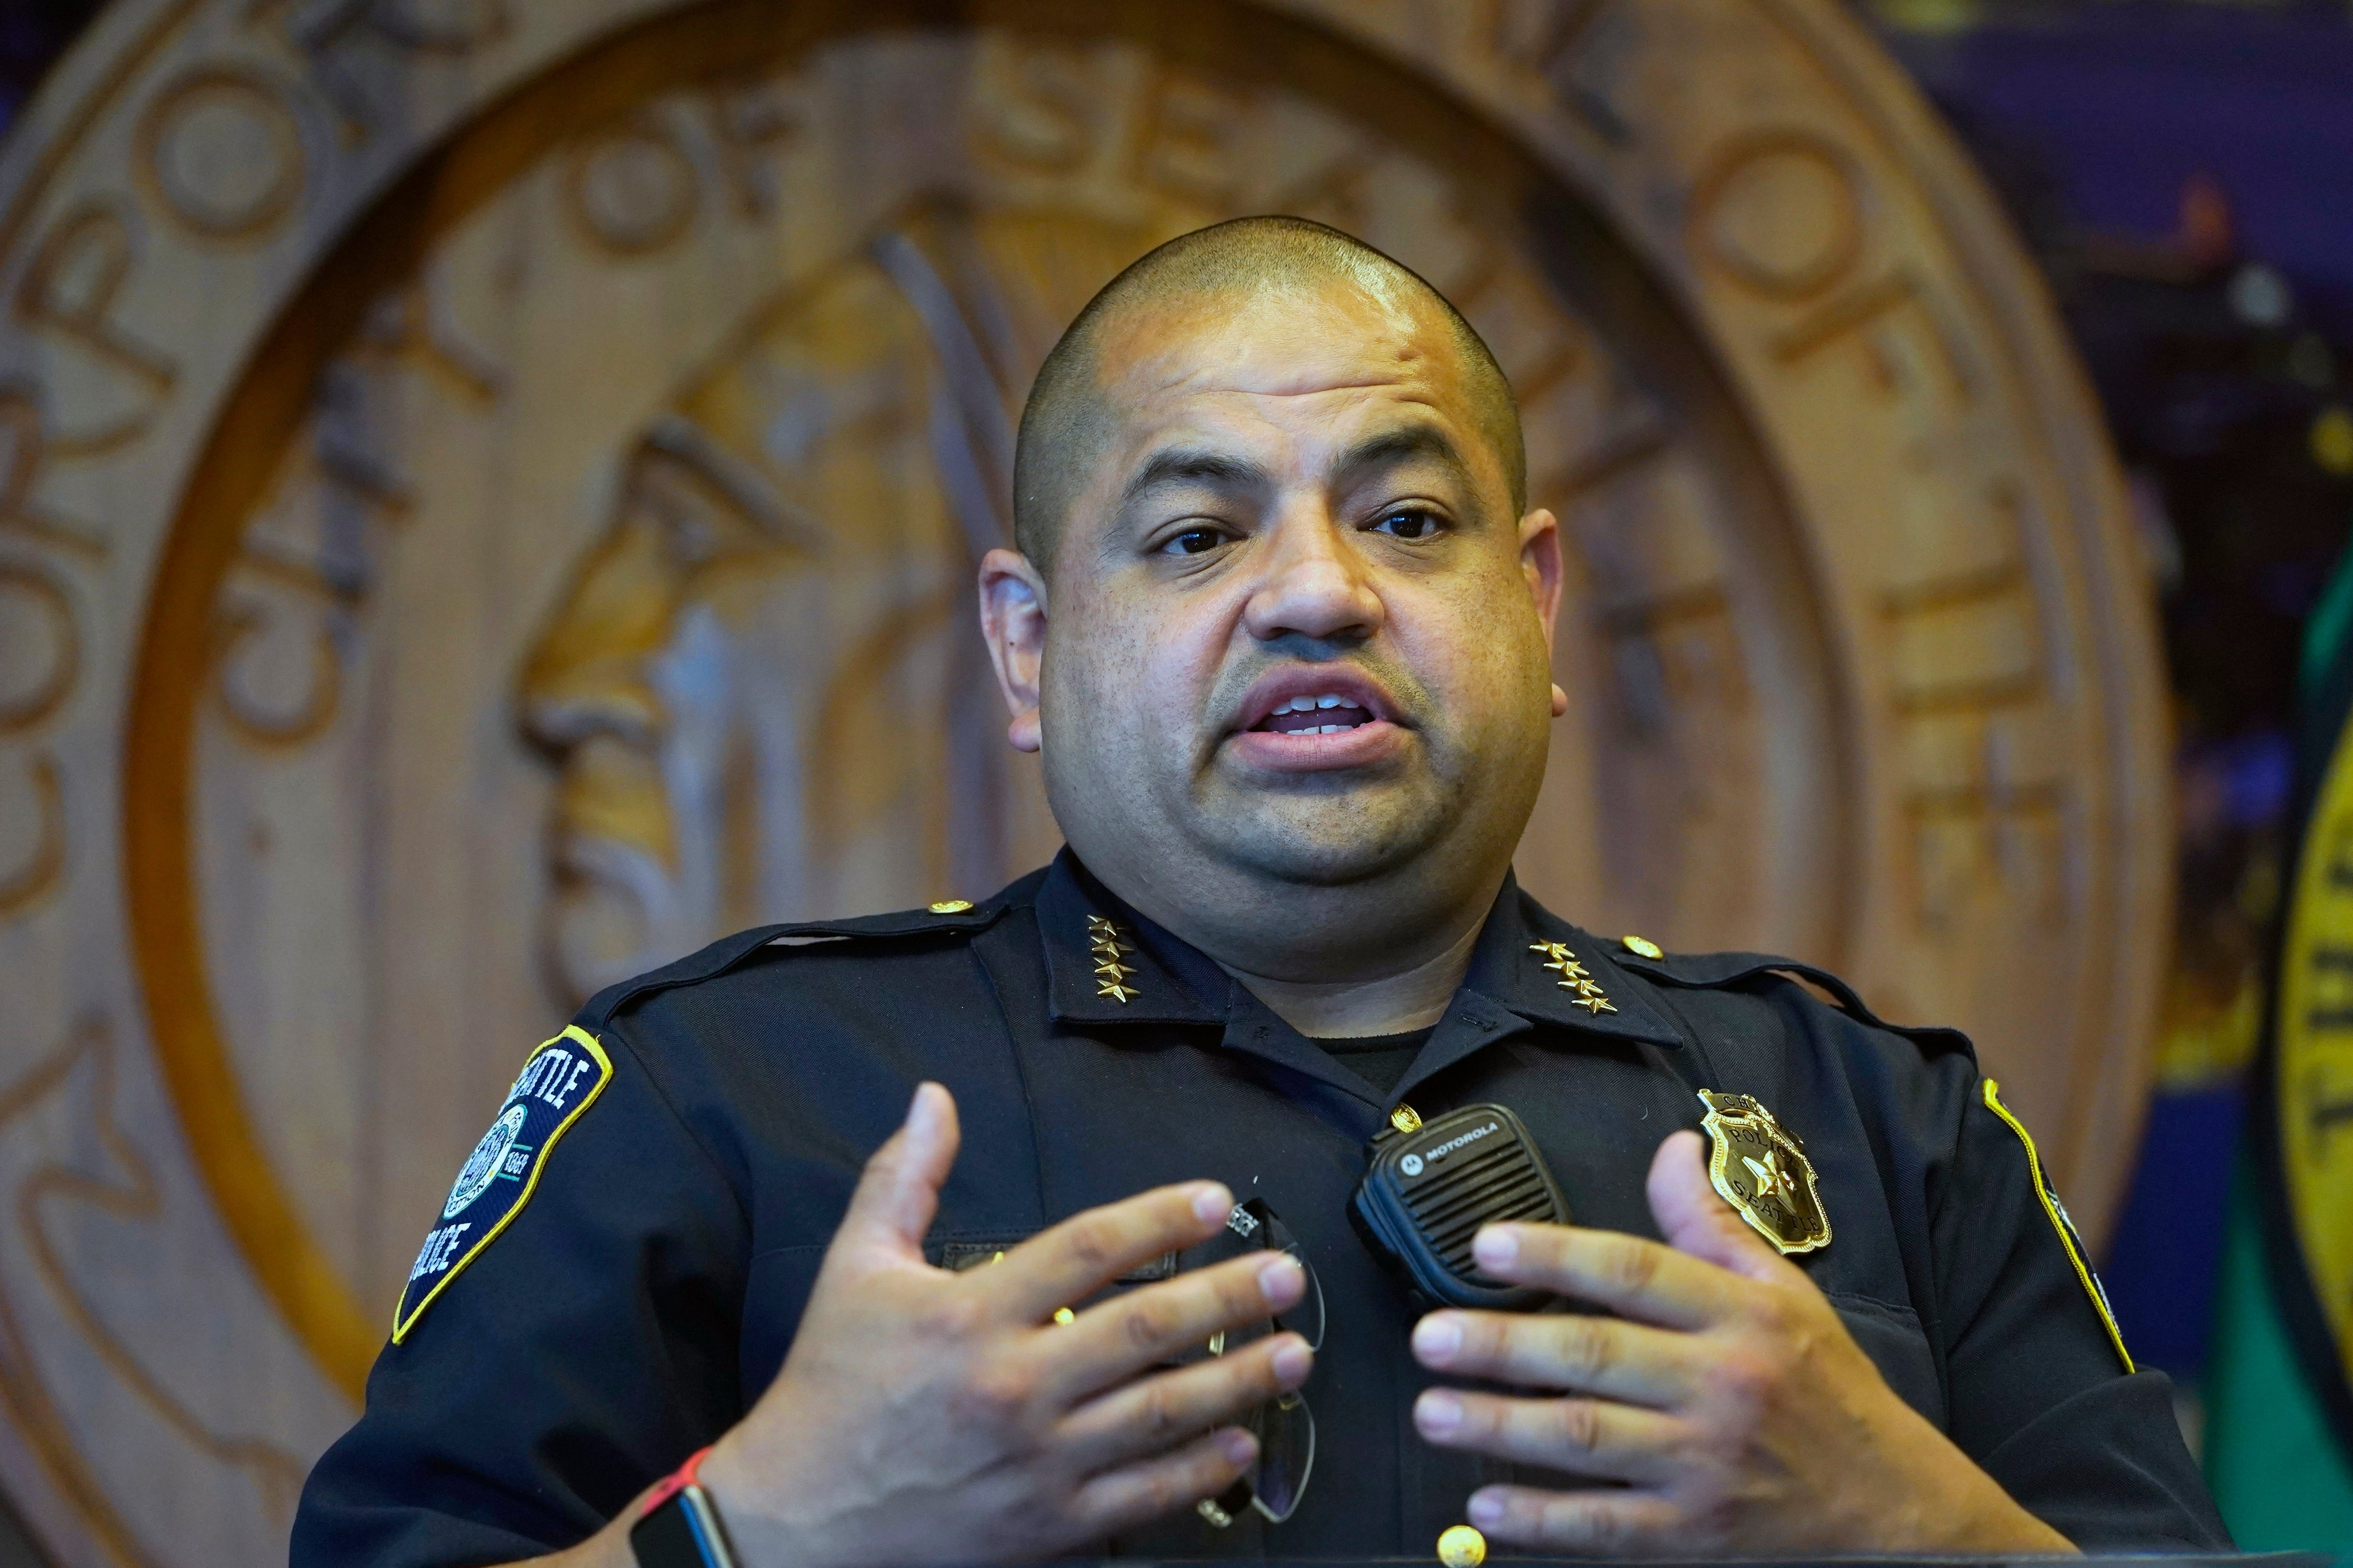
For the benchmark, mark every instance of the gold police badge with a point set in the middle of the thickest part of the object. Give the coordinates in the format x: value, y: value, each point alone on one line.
x: 1762, y: 1172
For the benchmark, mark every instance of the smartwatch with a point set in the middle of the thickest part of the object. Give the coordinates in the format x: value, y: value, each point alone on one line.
x: 680, y: 1526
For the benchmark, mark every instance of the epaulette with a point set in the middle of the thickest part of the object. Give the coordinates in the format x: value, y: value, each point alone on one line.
x: 1723, y: 971
x: 951, y: 917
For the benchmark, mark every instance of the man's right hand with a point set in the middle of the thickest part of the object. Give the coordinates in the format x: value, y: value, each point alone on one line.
x: 925, y: 1417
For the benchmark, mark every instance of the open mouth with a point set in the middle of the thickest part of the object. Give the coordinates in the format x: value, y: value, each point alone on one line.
x: 1320, y: 715
x: 1309, y: 720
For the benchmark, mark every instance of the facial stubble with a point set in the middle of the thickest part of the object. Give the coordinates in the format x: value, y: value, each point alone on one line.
x: 1325, y: 828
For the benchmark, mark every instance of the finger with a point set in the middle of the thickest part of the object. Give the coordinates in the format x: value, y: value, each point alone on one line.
x: 1151, y: 1414
x: 1573, y: 1351
x: 1583, y: 1436
x: 900, y: 1190
x: 1118, y: 1499
x: 1599, y: 1523
x: 1695, y: 1219
x: 1078, y: 1257
x: 1112, y: 1341
x: 1634, y: 1278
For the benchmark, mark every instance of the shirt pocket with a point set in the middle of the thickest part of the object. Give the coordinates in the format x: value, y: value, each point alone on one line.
x: 781, y: 1278
x: 957, y: 1253
x: 960, y: 1251
x: 1891, y: 1335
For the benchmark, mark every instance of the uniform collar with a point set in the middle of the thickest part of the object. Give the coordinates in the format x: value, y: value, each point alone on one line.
x: 1514, y: 965
x: 1510, y: 986
x: 1168, y: 981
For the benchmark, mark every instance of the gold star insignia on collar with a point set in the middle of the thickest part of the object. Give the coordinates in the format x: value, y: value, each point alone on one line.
x: 1573, y: 976
x: 1109, y: 948
x: 1561, y: 961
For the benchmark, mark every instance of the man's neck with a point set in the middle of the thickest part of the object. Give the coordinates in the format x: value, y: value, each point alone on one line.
x: 1353, y: 1009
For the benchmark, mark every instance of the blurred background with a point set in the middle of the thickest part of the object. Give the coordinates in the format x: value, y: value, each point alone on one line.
x: 2176, y: 174
x: 2169, y: 165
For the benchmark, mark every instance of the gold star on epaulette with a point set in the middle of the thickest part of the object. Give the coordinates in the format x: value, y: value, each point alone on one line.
x: 1573, y: 976
x: 1109, y: 949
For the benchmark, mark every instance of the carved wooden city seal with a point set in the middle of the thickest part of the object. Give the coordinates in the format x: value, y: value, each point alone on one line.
x: 487, y: 495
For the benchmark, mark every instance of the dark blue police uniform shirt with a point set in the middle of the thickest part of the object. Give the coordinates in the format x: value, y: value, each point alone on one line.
x: 642, y: 1297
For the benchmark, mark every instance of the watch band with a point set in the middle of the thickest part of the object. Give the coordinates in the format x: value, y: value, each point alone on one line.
x: 681, y: 1528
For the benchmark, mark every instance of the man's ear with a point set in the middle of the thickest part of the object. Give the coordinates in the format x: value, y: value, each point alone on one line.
x: 1540, y: 561
x: 1540, y: 564
x: 1013, y: 623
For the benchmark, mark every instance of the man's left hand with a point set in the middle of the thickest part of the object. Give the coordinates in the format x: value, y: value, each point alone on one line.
x: 1725, y: 1410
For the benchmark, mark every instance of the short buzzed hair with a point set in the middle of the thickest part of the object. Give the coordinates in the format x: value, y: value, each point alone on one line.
x: 1065, y: 422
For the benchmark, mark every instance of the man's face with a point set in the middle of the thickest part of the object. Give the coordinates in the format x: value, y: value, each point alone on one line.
x: 1295, y: 632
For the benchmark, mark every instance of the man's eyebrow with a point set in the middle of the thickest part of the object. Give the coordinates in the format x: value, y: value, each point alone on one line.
x: 1401, y: 444
x: 1186, y: 464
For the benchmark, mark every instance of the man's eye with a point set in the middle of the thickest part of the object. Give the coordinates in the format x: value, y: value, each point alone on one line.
x: 1409, y: 522
x: 1193, y: 542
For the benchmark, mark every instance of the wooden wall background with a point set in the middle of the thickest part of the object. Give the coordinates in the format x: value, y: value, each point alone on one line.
x: 488, y: 497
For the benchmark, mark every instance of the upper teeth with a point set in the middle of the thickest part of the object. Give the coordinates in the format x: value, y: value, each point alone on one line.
x: 1309, y: 704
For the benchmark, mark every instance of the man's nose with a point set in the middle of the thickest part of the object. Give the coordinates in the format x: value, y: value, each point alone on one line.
x: 1314, y: 583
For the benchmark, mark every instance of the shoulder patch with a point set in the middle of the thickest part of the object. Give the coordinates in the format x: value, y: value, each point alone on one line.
x: 2056, y: 1212
x: 562, y: 1079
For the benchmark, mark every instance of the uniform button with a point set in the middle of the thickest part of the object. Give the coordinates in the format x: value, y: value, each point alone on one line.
x: 1462, y: 1547
x: 951, y: 906
x: 1643, y: 947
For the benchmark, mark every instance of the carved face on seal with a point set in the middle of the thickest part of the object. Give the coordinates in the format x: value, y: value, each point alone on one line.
x: 763, y: 691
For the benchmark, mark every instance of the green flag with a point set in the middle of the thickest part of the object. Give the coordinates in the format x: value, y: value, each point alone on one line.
x: 2279, y: 1381
x: 2278, y: 1472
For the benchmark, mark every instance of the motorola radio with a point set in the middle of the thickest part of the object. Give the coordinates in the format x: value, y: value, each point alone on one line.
x: 1434, y: 1184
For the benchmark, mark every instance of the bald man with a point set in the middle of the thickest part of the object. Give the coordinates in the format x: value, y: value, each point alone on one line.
x: 994, y: 1232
